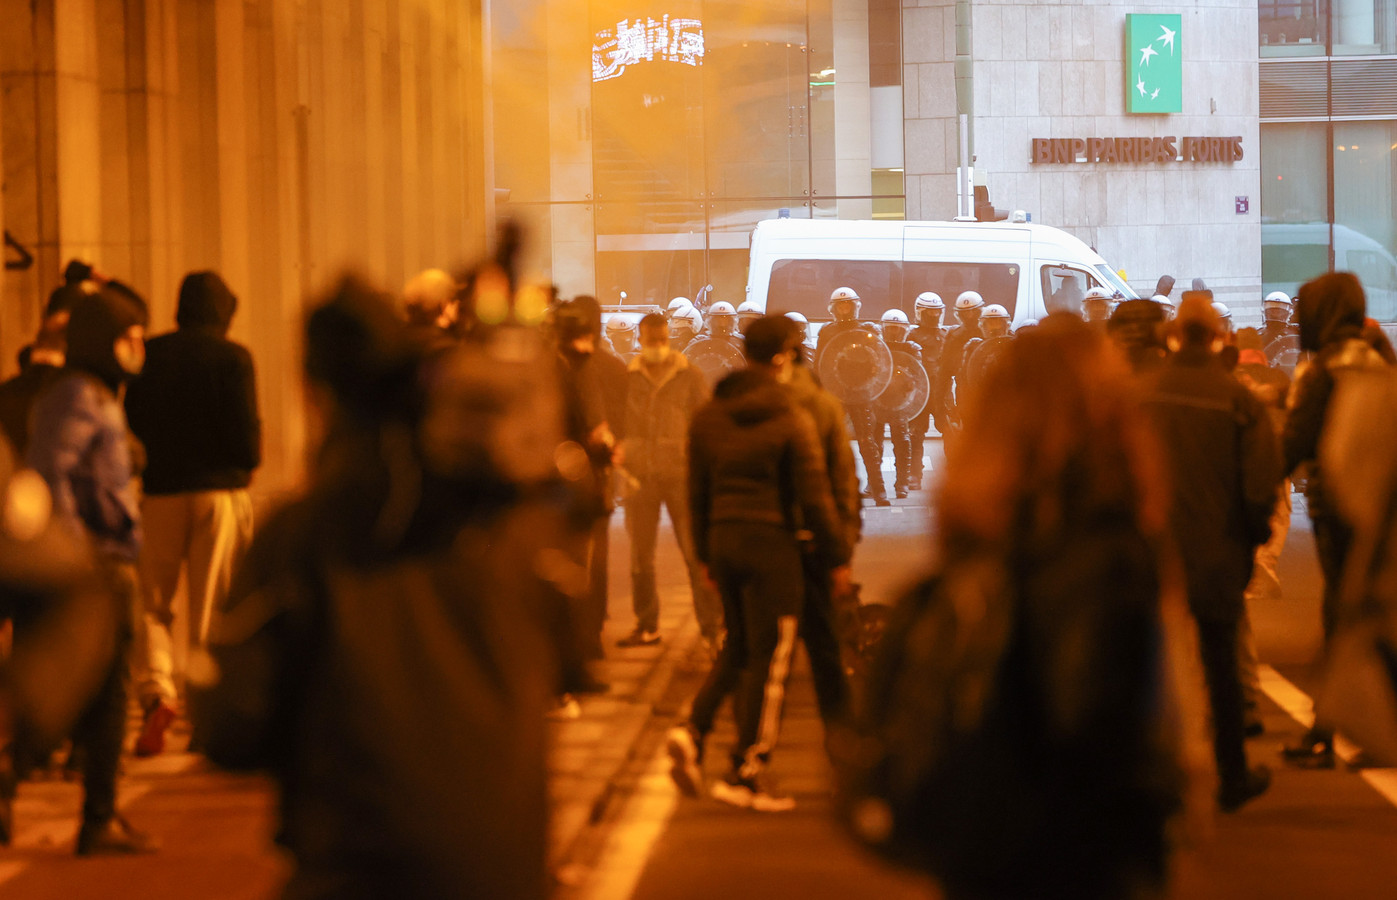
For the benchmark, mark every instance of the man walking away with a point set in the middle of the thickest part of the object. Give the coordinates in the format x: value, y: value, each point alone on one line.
x: 1330, y: 310
x: 756, y: 480
x: 81, y: 447
x: 1224, y: 470
x: 195, y: 409
x: 663, y: 391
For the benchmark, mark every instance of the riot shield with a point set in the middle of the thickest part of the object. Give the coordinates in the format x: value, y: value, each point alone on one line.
x: 714, y: 358
x: 908, y: 390
x: 856, y: 366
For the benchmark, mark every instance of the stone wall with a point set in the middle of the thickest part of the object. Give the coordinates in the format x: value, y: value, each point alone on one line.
x: 1057, y: 71
x: 276, y: 141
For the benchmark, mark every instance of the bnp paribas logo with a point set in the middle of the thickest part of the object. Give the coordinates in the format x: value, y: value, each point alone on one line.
x: 1154, y: 71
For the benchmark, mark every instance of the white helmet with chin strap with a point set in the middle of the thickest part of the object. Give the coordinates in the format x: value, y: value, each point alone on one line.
x: 929, y: 300
x: 969, y: 300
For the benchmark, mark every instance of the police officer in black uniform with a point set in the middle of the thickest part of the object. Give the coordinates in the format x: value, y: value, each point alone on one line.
x: 895, y: 334
x: 929, y: 339
x: 981, y: 353
x: 968, y: 307
x: 844, y: 305
x: 1275, y: 311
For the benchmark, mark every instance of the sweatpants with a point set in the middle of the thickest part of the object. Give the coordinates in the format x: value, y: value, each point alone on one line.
x: 758, y: 572
x: 205, y: 533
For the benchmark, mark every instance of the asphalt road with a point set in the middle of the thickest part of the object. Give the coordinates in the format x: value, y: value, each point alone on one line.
x: 1315, y: 835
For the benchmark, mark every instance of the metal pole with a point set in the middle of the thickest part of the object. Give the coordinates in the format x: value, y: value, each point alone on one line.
x: 963, y: 190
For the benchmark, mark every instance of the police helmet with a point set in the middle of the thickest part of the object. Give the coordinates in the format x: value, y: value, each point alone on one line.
x: 721, y: 308
x: 1162, y: 300
x: 896, y: 317
x: 1277, y: 300
x: 1098, y: 293
x: 844, y: 293
x: 930, y: 300
x: 677, y: 304
x: 618, y: 325
x: 797, y: 318
x: 995, y: 311
x: 969, y: 300
x: 1221, y: 309
x: 688, y: 317
x: 749, y: 309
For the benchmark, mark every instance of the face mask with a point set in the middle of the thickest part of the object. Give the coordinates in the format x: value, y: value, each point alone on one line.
x: 655, y: 355
x: 130, y: 355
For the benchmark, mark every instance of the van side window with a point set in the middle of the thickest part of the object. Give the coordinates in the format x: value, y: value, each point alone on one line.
x: 1064, y: 288
x: 995, y: 282
x: 804, y: 286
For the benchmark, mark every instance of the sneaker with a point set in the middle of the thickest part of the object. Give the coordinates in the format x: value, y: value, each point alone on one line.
x: 115, y: 837
x: 685, y: 747
x: 1232, y: 797
x: 640, y: 637
x: 567, y: 709
x: 159, y: 716
x: 902, y: 493
x: 750, y: 793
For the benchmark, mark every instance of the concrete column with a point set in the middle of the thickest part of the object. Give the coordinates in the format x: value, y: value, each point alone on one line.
x: 853, y: 122
x: 573, y: 262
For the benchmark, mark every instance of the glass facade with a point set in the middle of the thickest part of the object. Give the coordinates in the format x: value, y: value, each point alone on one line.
x: 1329, y: 145
x: 698, y: 119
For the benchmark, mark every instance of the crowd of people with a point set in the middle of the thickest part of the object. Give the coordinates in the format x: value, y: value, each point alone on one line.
x: 389, y: 643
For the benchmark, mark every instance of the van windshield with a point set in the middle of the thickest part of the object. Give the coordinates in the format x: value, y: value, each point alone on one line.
x: 804, y: 285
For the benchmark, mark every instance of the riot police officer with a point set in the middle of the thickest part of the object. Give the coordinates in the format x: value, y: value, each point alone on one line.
x: 1165, y: 305
x: 684, y: 326
x: 621, y: 335
x: 895, y: 334
x: 804, y: 324
x: 720, y: 350
x: 844, y: 306
x: 968, y: 309
x: 1275, y: 311
x: 747, y: 313
x: 980, y: 353
x: 675, y: 305
x: 722, y: 323
x: 1096, y: 308
x: 1225, y: 314
x: 929, y: 337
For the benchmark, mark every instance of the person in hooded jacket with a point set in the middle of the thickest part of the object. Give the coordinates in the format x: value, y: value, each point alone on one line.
x: 195, y: 409
x: 1330, y: 310
x: 41, y: 363
x: 757, y: 481
x: 383, y: 651
x: 80, y: 445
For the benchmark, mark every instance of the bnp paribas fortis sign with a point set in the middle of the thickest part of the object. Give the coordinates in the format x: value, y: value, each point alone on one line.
x: 1154, y: 71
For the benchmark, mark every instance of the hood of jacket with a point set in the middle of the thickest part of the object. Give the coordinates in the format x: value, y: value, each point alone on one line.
x: 205, y: 302
x: 750, y: 398
x: 93, y: 328
x: 1330, y: 309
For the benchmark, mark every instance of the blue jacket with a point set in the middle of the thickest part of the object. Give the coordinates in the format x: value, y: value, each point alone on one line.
x: 79, y: 443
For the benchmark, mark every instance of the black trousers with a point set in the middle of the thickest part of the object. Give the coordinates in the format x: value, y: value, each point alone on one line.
x: 1333, y: 539
x: 900, y: 432
x: 817, y: 629
x: 870, y: 441
x: 1217, y: 641
x: 758, y: 572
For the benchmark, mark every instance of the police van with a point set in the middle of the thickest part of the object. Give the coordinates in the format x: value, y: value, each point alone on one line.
x: 1028, y: 269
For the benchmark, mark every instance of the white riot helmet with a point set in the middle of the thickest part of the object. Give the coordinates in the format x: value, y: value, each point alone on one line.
x: 1223, y: 312
x: 677, y: 304
x: 617, y: 325
x: 845, y: 295
x: 969, y: 300
x: 995, y: 311
x: 895, y: 325
x: 1162, y: 300
x: 929, y: 300
x: 748, y: 310
x: 688, y: 317
x: 797, y: 318
x: 1277, y: 299
x: 1099, y: 293
x: 896, y: 317
x: 721, y: 308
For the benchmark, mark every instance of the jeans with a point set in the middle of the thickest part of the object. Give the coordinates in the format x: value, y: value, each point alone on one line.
x: 643, y: 525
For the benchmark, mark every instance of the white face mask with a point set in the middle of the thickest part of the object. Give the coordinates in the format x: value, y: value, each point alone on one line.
x: 655, y: 354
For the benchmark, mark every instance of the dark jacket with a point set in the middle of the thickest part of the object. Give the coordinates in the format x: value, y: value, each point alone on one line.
x: 1330, y: 311
x: 195, y: 404
x: 754, y: 457
x: 1223, y: 467
x: 80, y: 445
x: 952, y: 362
x: 829, y: 417
x: 659, y: 407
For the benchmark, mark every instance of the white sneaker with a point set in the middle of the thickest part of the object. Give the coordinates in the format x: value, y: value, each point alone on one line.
x: 683, y: 748
x: 750, y: 793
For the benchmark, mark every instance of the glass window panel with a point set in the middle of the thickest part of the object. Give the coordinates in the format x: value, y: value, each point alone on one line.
x: 1364, y: 27
x: 804, y: 286
x: 995, y: 282
x: 1365, y: 195
x: 1293, y: 27
x: 1294, y: 205
x: 648, y: 277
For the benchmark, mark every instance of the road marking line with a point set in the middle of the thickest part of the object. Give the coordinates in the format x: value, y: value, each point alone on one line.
x: 643, y: 820
x: 1301, y: 708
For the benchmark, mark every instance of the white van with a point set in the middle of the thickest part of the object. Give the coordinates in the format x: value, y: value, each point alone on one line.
x: 1293, y: 253
x: 1028, y: 269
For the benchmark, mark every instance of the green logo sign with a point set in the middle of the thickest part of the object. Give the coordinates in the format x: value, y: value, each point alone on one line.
x: 1154, y: 70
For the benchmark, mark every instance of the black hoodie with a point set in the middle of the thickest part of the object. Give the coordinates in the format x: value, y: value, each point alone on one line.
x: 1330, y: 310
x: 195, y: 404
x: 754, y: 457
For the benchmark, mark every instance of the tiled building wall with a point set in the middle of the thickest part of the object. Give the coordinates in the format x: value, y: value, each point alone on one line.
x: 277, y: 141
x: 1050, y: 70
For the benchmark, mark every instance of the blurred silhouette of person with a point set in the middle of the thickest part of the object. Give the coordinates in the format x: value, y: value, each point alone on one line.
x: 1022, y: 734
x: 431, y: 303
x: 1137, y: 328
x: 81, y: 446
x: 1331, y: 311
x: 42, y: 361
x: 384, y: 651
x: 194, y: 408
x: 1224, y: 469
